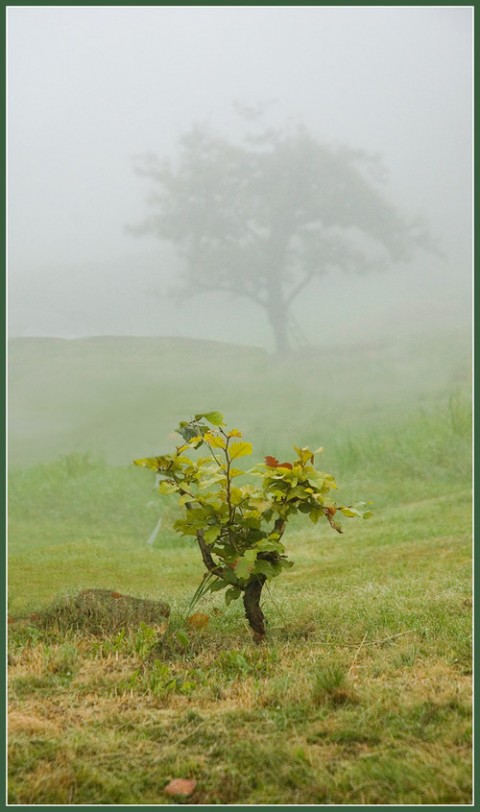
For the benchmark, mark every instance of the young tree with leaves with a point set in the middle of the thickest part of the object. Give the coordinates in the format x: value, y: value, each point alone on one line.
x: 239, y: 528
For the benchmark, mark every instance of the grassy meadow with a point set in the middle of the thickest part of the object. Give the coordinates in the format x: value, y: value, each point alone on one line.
x: 362, y: 694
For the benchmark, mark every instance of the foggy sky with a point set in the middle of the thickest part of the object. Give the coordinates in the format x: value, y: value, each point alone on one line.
x: 89, y: 88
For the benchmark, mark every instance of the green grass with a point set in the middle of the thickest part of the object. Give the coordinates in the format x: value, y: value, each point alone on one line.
x: 121, y: 397
x: 362, y: 693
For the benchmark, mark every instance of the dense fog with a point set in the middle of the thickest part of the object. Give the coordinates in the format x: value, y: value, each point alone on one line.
x: 240, y: 288
x: 90, y: 90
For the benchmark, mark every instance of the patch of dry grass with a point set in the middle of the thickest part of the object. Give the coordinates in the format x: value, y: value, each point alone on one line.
x: 288, y: 723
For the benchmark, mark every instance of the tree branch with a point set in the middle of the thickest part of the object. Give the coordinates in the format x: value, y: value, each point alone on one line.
x: 303, y: 283
x: 224, y: 289
x: 279, y: 526
x: 206, y: 554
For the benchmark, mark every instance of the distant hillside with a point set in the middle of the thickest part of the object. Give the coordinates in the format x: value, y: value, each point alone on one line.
x: 120, y: 396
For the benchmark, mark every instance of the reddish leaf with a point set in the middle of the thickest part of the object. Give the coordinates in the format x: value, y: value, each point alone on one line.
x: 198, y: 620
x: 285, y: 465
x: 272, y: 462
x: 180, y: 786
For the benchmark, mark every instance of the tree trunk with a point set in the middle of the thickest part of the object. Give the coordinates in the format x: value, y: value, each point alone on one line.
x: 276, y: 305
x: 277, y: 310
x: 251, y: 602
x: 279, y: 321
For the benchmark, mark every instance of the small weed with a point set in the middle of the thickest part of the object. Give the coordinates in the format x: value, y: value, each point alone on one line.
x: 259, y: 662
x: 107, y: 647
x: 145, y: 641
x: 408, y: 657
x: 331, y: 685
x: 62, y: 660
x: 234, y: 664
x: 157, y: 679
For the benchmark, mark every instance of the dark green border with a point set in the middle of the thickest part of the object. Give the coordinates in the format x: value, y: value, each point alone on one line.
x: 476, y: 350
x: 3, y: 788
x: 3, y: 587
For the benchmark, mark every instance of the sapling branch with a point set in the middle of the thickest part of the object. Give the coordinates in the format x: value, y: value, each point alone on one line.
x: 206, y: 554
x: 231, y: 509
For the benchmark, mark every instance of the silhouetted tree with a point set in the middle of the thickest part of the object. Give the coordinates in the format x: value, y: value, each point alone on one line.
x: 265, y: 217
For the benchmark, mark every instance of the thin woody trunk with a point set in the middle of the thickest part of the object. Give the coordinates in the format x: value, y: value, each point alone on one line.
x: 253, y: 612
x: 253, y: 592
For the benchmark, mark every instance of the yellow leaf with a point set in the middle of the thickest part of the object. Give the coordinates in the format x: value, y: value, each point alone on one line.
x: 154, y: 463
x: 214, y: 441
x: 304, y: 454
x: 239, y: 449
x: 234, y: 433
x: 198, y: 620
x: 193, y: 441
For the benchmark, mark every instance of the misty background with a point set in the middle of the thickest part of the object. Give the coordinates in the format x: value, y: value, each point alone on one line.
x: 91, y: 88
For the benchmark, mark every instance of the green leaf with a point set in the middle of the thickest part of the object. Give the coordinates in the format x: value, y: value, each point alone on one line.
x: 155, y: 463
x: 350, y: 512
x: 237, y: 495
x: 182, y: 638
x: 213, y: 480
x: 236, y: 472
x: 239, y: 449
x: 304, y: 454
x: 184, y: 528
x: 186, y: 498
x: 252, y: 522
x: 315, y: 515
x: 217, y: 585
x: 244, y: 568
x: 266, y: 568
x: 255, y: 535
x: 212, y: 534
x: 284, y: 564
x: 269, y: 545
x: 215, y: 418
x: 230, y: 576
x: 232, y: 594
x: 167, y: 487
x: 280, y: 493
x: 191, y: 432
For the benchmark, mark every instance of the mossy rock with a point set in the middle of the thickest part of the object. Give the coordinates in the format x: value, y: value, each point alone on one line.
x: 99, y: 611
